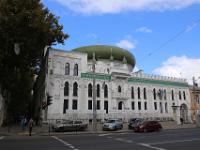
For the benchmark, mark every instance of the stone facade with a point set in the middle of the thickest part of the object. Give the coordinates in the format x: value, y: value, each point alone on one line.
x: 120, y: 93
x: 195, y: 103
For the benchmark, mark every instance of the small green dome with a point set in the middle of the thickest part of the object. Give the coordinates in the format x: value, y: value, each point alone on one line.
x: 106, y: 51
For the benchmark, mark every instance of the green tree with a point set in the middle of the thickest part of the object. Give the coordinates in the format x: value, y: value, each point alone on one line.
x: 32, y: 26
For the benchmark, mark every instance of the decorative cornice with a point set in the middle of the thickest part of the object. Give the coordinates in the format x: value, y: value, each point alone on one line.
x: 158, y: 82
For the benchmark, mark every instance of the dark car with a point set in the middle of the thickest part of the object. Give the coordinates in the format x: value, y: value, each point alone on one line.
x: 146, y: 126
x: 68, y: 125
x: 133, y: 122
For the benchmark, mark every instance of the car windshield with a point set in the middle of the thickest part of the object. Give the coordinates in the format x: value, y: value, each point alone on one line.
x: 110, y: 121
x: 77, y: 122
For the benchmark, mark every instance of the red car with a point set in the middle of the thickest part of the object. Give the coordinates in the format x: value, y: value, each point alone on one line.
x: 148, y: 126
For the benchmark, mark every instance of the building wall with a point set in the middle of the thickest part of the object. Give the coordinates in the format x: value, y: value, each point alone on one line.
x: 195, y: 103
x: 113, y: 74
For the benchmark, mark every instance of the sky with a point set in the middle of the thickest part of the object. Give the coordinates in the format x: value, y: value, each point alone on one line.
x: 163, y: 35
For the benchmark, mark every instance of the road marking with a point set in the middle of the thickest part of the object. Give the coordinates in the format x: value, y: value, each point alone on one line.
x: 105, y: 134
x: 1, y: 137
x: 65, y: 143
x: 149, y: 145
x: 123, y: 140
x: 174, y: 141
x: 152, y: 147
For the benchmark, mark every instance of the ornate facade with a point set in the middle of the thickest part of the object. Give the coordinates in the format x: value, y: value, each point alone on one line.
x: 120, y: 93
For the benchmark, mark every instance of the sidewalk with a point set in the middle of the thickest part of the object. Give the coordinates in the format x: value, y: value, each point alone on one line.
x: 45, y: 130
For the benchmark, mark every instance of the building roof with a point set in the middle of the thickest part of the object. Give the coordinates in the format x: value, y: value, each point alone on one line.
x: 108, y: 52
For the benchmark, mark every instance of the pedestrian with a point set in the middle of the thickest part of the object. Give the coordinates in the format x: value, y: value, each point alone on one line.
x: 181, y: 119
x: 30, y: 126
x: 23, y: 123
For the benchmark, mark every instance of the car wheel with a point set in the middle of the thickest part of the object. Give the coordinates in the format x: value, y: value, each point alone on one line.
x: 159, y: 129
x: 145, y: 130
x: 61, y: 129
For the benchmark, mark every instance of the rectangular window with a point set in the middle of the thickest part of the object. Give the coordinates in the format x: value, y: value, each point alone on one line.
x: 74, y: 104
x: 145, y: 105
x: 98, y: 105
x: 166, y: 108
x: 161, y: 108
x: 197, y: 99
x: 172, y: 95
x: 139, y: 105
x: 65, y: 106
x: 155, y: 105
x: 133, y: 105
x: 89, y: 104
x: 106, y: 106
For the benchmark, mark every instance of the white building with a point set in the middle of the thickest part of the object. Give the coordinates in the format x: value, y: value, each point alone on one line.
x: 120, y: 93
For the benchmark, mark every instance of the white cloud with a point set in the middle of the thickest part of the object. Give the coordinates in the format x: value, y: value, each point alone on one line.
x: 144, y: 30
x: 126, y: 44
x: 116, y: 6
x: 181, y: 67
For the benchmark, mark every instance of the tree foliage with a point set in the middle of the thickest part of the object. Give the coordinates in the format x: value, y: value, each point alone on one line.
x: 30, y: 24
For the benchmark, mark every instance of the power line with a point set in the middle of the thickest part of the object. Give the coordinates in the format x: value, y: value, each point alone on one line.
x: 187, y: 29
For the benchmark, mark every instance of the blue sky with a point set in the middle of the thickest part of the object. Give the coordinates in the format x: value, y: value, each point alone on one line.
x: 164, y: 36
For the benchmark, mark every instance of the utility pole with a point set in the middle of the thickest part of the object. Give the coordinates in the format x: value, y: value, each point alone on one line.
x: 94, y: 121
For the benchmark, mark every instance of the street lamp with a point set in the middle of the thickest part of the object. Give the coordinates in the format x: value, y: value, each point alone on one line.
x: 94, y: 121
x: 17, y: 48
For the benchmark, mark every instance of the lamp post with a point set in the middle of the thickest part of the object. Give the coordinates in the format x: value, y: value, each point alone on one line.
x: 94, y: 121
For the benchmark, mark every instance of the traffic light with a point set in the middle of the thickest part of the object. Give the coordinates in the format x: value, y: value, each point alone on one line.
x: 44, y: 105
x: 49, y: 100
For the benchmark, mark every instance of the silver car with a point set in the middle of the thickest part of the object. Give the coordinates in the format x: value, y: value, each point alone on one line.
x: 68, y: 125
x: 113, y: 124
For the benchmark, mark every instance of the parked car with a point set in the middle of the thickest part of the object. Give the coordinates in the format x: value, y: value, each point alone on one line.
x: 133, y: 122
x: 68, y: 125
x: 113, y: 124
x: 146, y: 126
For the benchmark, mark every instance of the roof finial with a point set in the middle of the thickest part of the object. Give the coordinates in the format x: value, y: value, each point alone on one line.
x: 111, y: 56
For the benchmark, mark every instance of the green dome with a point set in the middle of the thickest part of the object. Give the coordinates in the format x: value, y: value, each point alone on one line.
x: 105, y: 52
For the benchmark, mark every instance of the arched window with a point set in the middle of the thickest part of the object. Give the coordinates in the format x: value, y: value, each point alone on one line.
x: 145, y: 93
x: 75, y: 89
x: 172, y: 94
x: 90, y: 90
x: 179, y: 93
x: 119, y: 89
x: 132, y: 92
x: 154, y: 94
x: 76, y: 70
x: 165, y: 94
x: 120, y: 105
x: 66, y: 89
x: 184, y: 95
x: 106, y: 91
x: 98, y: 90
x: 138, y: 92
x: 67, y: 69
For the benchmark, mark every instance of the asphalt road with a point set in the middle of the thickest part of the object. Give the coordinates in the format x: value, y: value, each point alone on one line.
x: 182, y: 139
